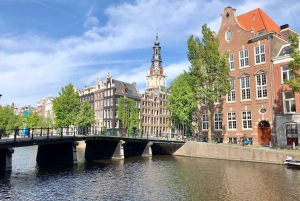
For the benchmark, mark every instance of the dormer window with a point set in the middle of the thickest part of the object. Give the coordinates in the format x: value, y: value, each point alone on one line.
x: 286, y: 50
x: 260, y: 32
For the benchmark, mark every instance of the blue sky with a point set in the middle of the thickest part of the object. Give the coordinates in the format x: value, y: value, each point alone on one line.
x: 47, y: 44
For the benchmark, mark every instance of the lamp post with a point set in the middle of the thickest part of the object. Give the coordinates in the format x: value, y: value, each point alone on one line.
x: 0, y: 96
x: 125, y: 104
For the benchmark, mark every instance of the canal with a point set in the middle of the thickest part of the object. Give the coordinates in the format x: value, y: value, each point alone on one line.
x: 144, y: 178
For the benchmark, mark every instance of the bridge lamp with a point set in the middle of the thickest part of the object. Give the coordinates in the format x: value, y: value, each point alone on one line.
x: 0, y: 96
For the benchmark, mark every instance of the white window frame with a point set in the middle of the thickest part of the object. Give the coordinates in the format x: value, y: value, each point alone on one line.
x: 231, y: 61
x: 260, y: 54
x: 231, y: 120
x: 261, y: 86
x: 244, y: 58
x: 245, y: 91
x: 288, y: 102
x: 204, y: 122
x: 291, y: 130
x: 285, y: 71
x: 246, y: 120
x: 231, y: 95
x: 218, y: 121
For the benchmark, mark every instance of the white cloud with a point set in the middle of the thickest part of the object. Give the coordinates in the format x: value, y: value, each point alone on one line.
x: 91, y: 22
x: 33, y: 66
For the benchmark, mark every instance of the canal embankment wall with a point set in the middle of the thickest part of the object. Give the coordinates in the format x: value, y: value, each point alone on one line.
x: 235, y: 152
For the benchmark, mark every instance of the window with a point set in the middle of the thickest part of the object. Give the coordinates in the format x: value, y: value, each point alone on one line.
x: 231, y: 118
x: 204, y: 122
x: 244, y: 58
x: 245, y: 87
x: 231, y: 61
x: 260, y: 32
x: 291, y: 130
x: 247, y: 120
x: 261, y: 86
x: 231, y: 95
x: 117, y: 101
x: 218, y: 121
x: 232, y: 140
x: 286, y: 73
x: 260, y: 54
x: 289, y: 102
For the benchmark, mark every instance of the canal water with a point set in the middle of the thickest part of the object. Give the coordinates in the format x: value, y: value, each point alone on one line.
x: 147, y: 178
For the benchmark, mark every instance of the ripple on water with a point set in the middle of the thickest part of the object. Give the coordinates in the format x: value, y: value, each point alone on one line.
x: 147, y: 179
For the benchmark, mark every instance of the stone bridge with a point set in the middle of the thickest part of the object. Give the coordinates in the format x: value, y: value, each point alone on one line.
x: 62, y: 148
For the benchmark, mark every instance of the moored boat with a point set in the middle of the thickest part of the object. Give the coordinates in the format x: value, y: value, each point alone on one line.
x: 291, y: 163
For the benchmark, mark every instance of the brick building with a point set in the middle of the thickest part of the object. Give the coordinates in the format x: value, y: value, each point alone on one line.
x: 287, y: 114
x: 114, y: 89
x: 252, y: 39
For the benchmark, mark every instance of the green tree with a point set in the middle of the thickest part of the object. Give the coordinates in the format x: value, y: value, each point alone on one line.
x: 48, y: 121
x: 130, y: 115
x: 182, y: 100
x: 209, y: 71
x: 34, y: 120
x: 294, y: 65
x: 66, y: 106
x: 8, y: 119
x: 86, y: 115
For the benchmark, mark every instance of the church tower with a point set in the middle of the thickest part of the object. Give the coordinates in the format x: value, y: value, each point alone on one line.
x: 156, y: 77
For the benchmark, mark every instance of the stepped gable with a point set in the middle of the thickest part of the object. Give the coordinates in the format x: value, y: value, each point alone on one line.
x: 258, y: 20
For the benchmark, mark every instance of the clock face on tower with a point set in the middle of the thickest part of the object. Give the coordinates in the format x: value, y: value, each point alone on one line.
x: 156, y: 64
x: 156, y: 56
x: 156, y: 68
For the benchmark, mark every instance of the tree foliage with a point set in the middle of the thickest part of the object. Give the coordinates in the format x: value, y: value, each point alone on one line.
x: 66, y: 106
x: 294, y: 65
x: 34, y: 120
x: 86, y: 115
x: 8, y: 119
x: 182, y: 100
x: 130, y: 115
x: 209, y: 70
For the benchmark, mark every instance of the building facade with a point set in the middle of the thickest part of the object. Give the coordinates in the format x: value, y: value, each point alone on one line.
x: 287, y: 114
x: 252, y: 40
x: 155, y: 116
x: 45, y: 108
x: 115, y: 89
x: 94, y: 96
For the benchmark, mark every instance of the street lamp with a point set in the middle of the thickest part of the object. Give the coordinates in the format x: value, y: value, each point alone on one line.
x: 0, y: 96
x: 125, y: 104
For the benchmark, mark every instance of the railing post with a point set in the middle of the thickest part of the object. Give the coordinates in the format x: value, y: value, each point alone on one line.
x: 147, y: 134
x: 157, y: 134
x: 61, y: 131
x: 32, y: 133
x: 41, y: 132
x: 15, y: 136
x: 48, y: 133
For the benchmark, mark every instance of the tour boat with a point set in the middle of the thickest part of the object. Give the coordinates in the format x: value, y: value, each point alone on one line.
x: 291, y: 163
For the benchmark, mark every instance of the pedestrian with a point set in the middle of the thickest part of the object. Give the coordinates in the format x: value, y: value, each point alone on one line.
x: 133, y: 129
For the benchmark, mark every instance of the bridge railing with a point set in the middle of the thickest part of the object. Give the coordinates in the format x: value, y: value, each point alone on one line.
x: 47, y: 132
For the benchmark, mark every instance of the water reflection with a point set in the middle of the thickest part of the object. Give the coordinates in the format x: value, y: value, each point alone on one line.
x: 147, y: 178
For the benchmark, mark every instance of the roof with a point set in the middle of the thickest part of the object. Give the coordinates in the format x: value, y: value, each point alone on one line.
x: 258, y: 20
x: 131, y: 90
